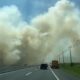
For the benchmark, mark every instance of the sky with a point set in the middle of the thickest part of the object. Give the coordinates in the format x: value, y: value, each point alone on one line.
x: 32, y: 8
x: 36, y: 31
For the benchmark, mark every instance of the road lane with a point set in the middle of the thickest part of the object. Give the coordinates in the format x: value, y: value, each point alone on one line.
x: 41, y: 75
x: 15, y: 75
x: 32, y: 74
x: 57, y: 78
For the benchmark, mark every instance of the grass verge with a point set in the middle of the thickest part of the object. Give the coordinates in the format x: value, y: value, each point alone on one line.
x: 75, y: 69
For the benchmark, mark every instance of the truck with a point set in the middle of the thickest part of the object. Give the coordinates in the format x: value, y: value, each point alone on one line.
x: 55, y: 64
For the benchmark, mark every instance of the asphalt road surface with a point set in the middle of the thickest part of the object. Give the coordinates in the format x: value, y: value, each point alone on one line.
x: 65, y: 75
x: 28, y: 74
x: 34, y: 73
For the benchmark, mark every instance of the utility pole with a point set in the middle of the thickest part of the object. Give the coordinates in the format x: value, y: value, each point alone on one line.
x: 59, y: 59
x: 63, y: 57
x: 71, y: 58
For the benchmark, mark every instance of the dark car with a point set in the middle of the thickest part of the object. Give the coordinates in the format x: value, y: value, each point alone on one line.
x: 44, y: 66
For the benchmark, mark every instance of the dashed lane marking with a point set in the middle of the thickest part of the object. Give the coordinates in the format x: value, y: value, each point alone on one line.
x: 28, y: 73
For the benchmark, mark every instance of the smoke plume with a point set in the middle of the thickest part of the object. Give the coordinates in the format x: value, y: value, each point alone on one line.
x: 35, y: 43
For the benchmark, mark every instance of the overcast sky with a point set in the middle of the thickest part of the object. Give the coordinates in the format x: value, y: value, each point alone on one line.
x: 32, y: 8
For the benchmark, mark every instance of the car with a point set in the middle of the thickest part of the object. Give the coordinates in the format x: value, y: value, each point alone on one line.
x: 44, y: 66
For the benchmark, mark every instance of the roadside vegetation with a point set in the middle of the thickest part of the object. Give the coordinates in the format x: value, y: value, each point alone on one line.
x: 74, y: 69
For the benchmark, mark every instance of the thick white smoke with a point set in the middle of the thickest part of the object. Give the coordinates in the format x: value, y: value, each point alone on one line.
x: 9, y: 36
x: 35, y: 43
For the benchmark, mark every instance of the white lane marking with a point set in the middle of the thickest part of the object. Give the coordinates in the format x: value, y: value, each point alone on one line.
x: 28, y: 73
x: 5, y: 73
x: 54, y: 74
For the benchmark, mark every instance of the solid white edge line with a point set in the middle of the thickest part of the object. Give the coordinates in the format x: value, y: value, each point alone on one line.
x: 54, y: 74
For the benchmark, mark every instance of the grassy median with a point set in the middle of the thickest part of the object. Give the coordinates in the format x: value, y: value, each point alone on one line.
x: 75, y: 69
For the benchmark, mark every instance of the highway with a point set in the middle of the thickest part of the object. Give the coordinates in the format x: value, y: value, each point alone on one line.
x: 28, y: 74
x: 34, y: 73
